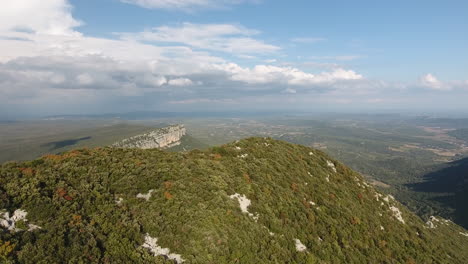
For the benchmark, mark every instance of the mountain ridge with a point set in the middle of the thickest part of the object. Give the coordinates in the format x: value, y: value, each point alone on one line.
x: 162, y: 138
x: 250, y: 201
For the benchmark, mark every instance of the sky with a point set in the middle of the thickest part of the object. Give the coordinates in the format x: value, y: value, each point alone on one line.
x: 111, y: 56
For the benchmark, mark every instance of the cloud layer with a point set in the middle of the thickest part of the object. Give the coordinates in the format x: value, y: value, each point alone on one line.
x: 39, y: 16
x: 227, y: 38
x: 47, y: 66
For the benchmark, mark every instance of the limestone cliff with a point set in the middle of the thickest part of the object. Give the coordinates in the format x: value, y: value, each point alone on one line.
x: 160, y: 138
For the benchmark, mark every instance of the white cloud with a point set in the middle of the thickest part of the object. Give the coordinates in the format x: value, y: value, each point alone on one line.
x: 186, y: 5
x: 215, y: 37
x: 48, y: 64
x: 262, y: 74
x: 180, y: 82
x: 431, y: 82
x: 38, y: 16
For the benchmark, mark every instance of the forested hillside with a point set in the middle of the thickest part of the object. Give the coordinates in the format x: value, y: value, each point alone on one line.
x: 449, y: 189
x: 256, y: 200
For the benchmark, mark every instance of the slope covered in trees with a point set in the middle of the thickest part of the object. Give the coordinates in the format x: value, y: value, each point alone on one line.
x: 257, y: 200
x: 449, y: 189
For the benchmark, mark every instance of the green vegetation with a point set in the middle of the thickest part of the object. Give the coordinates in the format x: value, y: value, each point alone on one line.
x: 393, y: 151
x: 85, y: 202
x: 187, y: 143
x: 30, y: 140
x: 449, y: 189
x: 461, y: 133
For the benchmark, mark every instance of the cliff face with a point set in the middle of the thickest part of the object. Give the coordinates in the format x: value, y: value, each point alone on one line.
x: 161, y: 138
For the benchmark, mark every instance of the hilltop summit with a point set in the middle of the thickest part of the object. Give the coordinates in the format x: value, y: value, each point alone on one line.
x: 256, y: 200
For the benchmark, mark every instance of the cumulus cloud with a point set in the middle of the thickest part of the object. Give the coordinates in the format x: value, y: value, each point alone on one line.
x: 38, y: 16
x: 186, y: 5
x: 431, y: 82
x: 180, y: 82
x: 214, y: 37
x: 261, y: 74
x: 46, y: 64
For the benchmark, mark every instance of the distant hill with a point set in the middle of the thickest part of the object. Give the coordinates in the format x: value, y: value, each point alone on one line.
x: 256, y: 200
x: 449, y: 187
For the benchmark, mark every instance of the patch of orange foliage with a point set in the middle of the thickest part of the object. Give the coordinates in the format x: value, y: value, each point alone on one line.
x: 294, y: 187
x: 52, y: 157
x: 168, y: 195
x: 61, y: 192
x: 217, y: 156
x: 71, y: 154
x: 76, y: 220
x: 247, y: 178
x: 27, y: 171
x: 355, y: 220
x: 58, y: 158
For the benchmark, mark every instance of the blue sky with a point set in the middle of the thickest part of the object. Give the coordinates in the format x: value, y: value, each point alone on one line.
x: 392, y: 39
x: 88, y: 56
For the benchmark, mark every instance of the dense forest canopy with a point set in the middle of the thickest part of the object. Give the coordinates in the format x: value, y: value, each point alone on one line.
x: 256, y: 200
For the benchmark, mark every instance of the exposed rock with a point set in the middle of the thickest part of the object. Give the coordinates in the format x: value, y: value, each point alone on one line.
x: 244, y: 203
x: 433, y: 221
x: 397, y: 214
x: 331, y: 165
x: 145, y: 196
x: 9, y: 223
x: 299, y: 246
x: 151, y: 243
x: 388, y: 198
x: 160, y: 138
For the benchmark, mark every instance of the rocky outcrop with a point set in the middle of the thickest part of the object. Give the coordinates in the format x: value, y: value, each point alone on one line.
x: 160, y: 138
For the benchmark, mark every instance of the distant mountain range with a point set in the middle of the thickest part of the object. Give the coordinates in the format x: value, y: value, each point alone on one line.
x: 256, y: 200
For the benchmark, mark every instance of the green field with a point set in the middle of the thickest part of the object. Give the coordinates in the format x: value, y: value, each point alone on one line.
x: 29, y: 140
